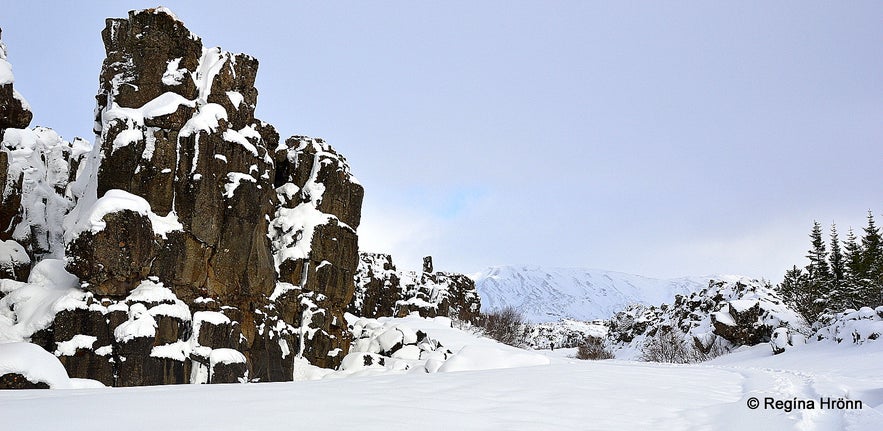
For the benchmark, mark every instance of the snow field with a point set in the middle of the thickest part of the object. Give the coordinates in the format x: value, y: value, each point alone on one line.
x: 555, y: 392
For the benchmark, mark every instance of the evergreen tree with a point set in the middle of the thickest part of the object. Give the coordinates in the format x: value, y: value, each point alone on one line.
x: 852, y: 257
x: 795, y: 291
x: 872, y: 263
x: 818, y: 268
x: 839, y: 295
x: 836, y: 258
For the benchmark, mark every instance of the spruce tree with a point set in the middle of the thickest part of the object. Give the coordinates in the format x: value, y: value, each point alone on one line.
x: 818, y: 268
x: 852, y: 258
x: 872, y: 263
x: 839, y: 294
x: 835, y: 259
x: 795, y: 291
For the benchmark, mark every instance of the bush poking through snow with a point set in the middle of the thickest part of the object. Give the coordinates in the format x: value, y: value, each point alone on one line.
x: 669, y: 347
x: 593, y: 348
x: 673, y: 347
x: 505, y: 325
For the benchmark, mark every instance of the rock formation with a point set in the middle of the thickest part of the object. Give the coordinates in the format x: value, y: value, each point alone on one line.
x: 381, y: 290
x: 722, y: 316
x: 188, y: 244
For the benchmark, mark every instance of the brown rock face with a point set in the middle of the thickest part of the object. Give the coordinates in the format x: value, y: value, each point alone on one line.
x: 203, y: 250
x: 315, y: 243
x: 254, y: 242
x: 115, y: 259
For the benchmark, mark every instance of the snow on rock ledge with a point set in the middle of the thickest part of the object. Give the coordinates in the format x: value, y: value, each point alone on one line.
x: 37, y: 367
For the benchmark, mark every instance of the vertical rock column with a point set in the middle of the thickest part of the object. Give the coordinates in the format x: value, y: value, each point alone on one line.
x: 315, y: 244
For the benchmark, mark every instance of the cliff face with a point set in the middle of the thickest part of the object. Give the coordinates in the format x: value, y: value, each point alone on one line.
x: 381, y: 290
x: 189, y: 244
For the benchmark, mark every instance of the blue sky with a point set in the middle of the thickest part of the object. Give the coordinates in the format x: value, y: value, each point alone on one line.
x: 657, y: 138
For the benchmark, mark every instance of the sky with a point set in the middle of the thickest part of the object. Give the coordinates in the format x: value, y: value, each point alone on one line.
x: 656, y: 138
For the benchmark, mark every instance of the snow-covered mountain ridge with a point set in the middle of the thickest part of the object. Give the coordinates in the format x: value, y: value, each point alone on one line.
x: 546, y: 294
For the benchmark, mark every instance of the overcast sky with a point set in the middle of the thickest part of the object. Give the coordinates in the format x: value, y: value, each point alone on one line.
x: 657, y: 138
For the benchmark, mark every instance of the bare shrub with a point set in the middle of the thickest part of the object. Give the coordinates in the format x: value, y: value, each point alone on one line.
x: 670, y: 346
x: 505, y: 325
x: 593, y: 348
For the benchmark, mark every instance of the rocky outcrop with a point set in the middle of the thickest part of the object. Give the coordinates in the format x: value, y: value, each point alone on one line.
x: 383, y: 291
x: 720, y: 317
x: 313, y: 232
x: 378, y: 286
x: 392, y: 346
x: 199, y: 248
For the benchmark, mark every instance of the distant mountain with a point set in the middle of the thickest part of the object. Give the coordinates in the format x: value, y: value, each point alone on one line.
x: 549, y: 294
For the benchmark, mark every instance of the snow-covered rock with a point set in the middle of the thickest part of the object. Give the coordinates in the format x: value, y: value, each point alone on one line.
x: 382, y: 290
x: 853, y: 326
x: 27, y: 366
x: 565, y: 333
x: 720, y: 317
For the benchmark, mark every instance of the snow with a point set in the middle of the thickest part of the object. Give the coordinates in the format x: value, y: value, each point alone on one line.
x: 546, y: 294
x: 34, y: 363
x: 12, y: 254
x: 724, y: 317
x: 484, y: 386
x: 173, y: 74
x: 226, y: 356
x: 176, y: 351
x: 236, y: 98
x: 565, y: 394
x: 478, y: 357
x: 234, y: 179
x: 213, y: 317
x: 207, y: 118
x: 237, y: 138
x: 118, y: 200
x: 70, y: 347
x: 151, y: 291
x: 43, y: 160
x: 140, y: 324
x: 165, y: 104
x: 33, y: 305
x: 6, y: 76
x: 213, y: 59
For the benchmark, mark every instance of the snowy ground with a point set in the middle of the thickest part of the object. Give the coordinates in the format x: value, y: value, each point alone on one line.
x: 565, y: 394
